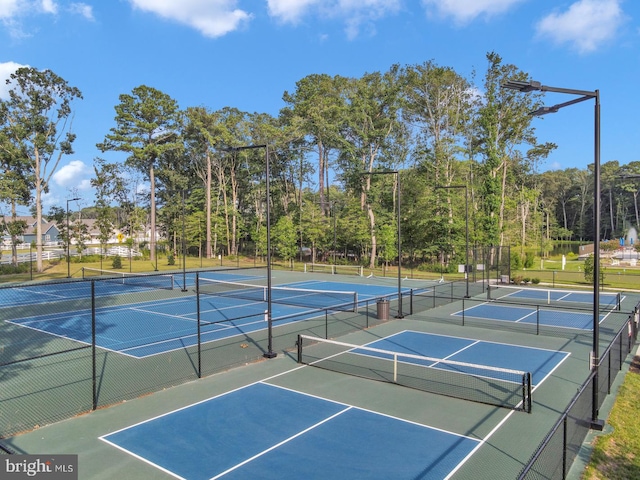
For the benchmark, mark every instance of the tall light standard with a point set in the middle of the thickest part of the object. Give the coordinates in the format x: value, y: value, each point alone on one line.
x: 466, y: 228
x: 270, y: 353
x: 397, y: 174
x: 184, y: 249
x: 69, y: 238
x: 584, y: 95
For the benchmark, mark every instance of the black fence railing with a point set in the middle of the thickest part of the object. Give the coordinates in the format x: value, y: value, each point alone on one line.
x: 559, y: 449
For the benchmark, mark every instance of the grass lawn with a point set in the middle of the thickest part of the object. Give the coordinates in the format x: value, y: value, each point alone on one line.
x: 616, y: 455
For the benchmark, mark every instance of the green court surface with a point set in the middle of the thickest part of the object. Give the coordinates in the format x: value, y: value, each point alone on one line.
x: 506, y: 438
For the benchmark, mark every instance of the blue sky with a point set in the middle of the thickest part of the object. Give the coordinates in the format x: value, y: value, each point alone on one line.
x: 247, y: 53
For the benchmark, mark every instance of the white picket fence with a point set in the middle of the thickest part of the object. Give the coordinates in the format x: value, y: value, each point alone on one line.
x: 60, y: 253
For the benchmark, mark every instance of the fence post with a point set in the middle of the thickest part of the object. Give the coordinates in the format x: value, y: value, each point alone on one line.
x: 198, y: 324
x: 564, y: 447
x: 94, y: 403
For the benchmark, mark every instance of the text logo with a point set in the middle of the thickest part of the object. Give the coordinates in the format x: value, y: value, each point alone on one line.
x: 49, y: 467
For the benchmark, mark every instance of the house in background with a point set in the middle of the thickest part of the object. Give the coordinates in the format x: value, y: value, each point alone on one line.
x: 50, y: 232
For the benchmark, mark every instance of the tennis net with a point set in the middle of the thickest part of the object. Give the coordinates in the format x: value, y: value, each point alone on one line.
x: 164, y: 281
x: 478, y: 383
x: 320, y: 299
x: 547, y: 296
x: 334, y: 269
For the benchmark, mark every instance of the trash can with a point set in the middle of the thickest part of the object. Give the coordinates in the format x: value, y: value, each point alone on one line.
x: 383, y: 309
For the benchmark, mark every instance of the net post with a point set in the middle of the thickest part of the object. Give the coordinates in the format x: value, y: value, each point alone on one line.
x: 619, y: 301
x: 299, y: 345
x: 411, y: 302
x: 548, y: 297
x: 395, y: 368
x: 305, y: 268
x: 529, y: 402
x: 83, y: 277
x: 355, y: 302
x: 537, y: 320
x: 326, y: 323
x: 366, y: 312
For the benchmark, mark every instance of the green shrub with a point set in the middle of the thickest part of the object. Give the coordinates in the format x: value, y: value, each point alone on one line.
x: 516, y: 262
x: 528, y: 260
x: 11, y: 269
x: 171, y: 260
x: 117, y: 262
x: 535, y: 281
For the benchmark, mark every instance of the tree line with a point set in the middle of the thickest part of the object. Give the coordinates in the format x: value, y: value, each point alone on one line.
x: 341, y: 153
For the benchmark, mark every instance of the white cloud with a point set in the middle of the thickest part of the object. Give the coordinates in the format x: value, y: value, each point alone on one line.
x: 9, y: 8
x: 82, y: 9
x: 585, y: 25
x: 12, y: 13
x: 465, y: 11
x: 13, y: 8
x: 75, y: 174
x: 212, y: 18
x: 290, y: 11
x: 355, y: 13
x: 49, y: 6
x: 6, y: 69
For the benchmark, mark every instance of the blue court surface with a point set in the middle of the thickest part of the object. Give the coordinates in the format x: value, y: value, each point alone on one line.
x: 537, y: 361
x: 263, y: 431
x: 559, y: 296
x: 150, y: 328
x: 531, y: 315
x: 366, y: 292
x: 81, y: 289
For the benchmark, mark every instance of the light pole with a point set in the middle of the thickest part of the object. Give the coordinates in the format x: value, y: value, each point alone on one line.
x: 583, y: 95
x: 397, y: 174
x: 466, y: 228
x: 184, y: 249
x: 69, y: 238
x: 270, y: 353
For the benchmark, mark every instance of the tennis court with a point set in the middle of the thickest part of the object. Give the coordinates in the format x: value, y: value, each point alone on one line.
x: 108, y: 283
x: 512, y: 293
x: 236, y: 413
x: 537, y: 361
x: 265, y: 431
x: 531, y: 315
x: 494, y: 373
x: 229, y: 309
